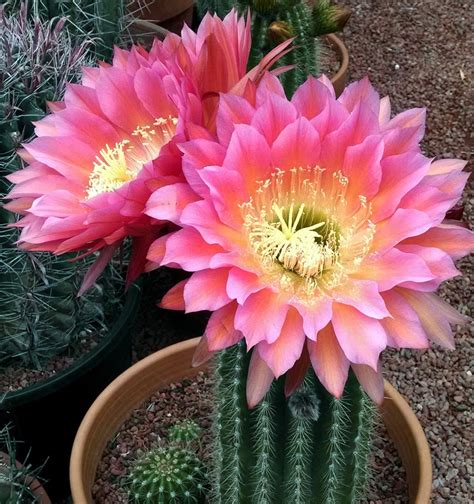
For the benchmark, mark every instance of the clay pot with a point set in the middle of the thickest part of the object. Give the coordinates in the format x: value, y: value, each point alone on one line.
x: 171, y: 15
x: 35, y: 486
x: 341, y: 77
x: 172, y: 364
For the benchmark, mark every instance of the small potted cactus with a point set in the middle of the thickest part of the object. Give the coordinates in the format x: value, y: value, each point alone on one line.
x: 170, y: 472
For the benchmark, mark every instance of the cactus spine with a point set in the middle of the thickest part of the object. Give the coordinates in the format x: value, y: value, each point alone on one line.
x: 309, y: 448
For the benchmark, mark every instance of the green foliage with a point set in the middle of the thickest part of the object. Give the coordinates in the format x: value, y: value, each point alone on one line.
x: 14, y: 480
x: 309, y: 448
x: 274, y: 21
x: 166, y: 475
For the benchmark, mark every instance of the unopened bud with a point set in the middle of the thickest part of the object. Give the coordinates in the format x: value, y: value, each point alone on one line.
x: 341, y: 16
x: 279, y: 31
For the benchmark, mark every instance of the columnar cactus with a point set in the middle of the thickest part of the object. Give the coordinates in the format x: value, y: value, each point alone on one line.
x: 167, y: 474
x: 274, y: 21
x: 308, y: 448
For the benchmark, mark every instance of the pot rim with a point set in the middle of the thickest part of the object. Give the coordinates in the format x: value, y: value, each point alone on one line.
x: 114, y: 405
x: 343, y: 55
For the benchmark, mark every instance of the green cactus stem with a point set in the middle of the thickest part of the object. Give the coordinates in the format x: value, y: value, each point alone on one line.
x: 310, y: 448
x: 167, y: 475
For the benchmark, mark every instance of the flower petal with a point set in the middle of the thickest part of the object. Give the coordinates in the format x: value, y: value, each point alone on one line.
x: 371, y: 381
x: 220, y: 331
x: 259, y: 379
x: 205, y: 290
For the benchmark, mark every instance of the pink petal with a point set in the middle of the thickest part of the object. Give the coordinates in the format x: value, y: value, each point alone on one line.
x: 60, y: 203
x: 249, y: 154
x: 140, y: 247
x: 220, y: 331
x: 241, y: 284
x: 392, y: 268
x: 187, y: 249
x: 150, y: 91
x: 404, y: 223
x: 358, y: 91
x: 385, y: 110
x: 232, y: 110
x: 118, y: 100
x: 361, y: 338
x: 363, y: 169
x: 329, y: 362
x: 205, y: 290
x: 282, y: 354
x: 168, y: 202
x: 311, y: 98
x: 435, y: 316
x: 371, y: 381
x: 296, y: 375
x: 202, y: 353
x: 272, y: 117
x: 157, y: 250
x: 364, y: 296
x: 404, y: 330
x: 259, y: 379
x: 261, y: 317
x: 96, y: 269
x: 457, y: 241
x: 400, y: 174
x: 444, y: 166
x: 174, y: 298
x: 297, y: 145
x: 315, y: 317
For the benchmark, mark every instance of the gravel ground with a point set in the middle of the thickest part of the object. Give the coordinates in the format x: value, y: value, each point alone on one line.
x: 421, y: 54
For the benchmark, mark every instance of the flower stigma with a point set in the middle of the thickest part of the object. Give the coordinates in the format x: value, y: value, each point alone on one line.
x: 114, y: 166
x: 300, y: 229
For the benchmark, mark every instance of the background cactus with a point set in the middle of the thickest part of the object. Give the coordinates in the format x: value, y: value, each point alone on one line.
x: 40, y: 315
x: 274, y: 21
x: 310, y: 448
x: 167, y: 475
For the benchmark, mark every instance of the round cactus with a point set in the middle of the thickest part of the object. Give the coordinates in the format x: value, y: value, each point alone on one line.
x: 184, y: 432
x: 167, y: 475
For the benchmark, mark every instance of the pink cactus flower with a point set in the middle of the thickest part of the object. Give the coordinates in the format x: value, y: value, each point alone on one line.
x: 102, y: 152
x: 316, y: 232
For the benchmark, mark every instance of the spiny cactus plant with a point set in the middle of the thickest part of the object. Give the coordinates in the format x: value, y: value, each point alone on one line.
x: 101, y: 22
x: 14, y: 480
x: 36, y: 60
x: 167, y: 475
x: 274, y: 21
x: 184, y: 432
x: 40, y: 315
x: 309, y: 448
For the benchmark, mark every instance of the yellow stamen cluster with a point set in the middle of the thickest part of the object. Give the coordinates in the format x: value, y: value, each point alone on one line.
x: 301, y: 232
x: 114, y: 166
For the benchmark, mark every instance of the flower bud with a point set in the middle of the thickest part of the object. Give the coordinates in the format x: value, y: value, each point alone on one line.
x: 279, y: 31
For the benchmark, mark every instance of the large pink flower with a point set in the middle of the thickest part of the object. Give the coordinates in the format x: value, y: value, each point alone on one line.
x: 315, y: 232
x: 102, y: 152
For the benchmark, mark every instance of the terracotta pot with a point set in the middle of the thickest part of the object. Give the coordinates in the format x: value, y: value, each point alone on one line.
x: 173, y: 363
x: 35, y: 486
x: 170, y: 14
x: 340, y: 79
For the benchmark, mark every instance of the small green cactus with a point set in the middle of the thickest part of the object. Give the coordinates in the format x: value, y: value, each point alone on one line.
x: 184, y: 432
x: 167, y: 475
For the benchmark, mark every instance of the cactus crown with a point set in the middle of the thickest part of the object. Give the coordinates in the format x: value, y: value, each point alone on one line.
x: 167, y: 474
x: 184, y: 432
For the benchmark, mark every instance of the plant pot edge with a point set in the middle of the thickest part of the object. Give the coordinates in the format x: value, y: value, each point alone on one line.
x: 173, y: 363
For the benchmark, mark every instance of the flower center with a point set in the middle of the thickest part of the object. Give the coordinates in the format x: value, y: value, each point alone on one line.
x: 114, y: 166
x: 299, y: 227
